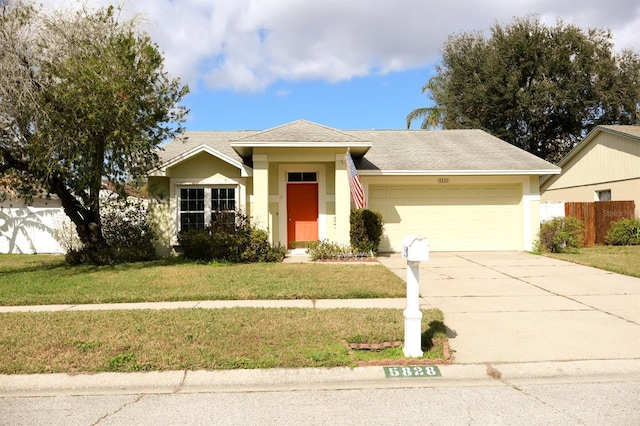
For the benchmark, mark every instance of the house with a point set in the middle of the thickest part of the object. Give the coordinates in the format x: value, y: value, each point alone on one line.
x: 461, y: 189
x: 605, y: 166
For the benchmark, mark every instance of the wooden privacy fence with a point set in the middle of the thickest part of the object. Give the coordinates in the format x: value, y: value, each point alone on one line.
x: 598, y: 216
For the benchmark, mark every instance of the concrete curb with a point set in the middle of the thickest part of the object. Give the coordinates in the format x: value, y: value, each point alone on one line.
x: 168, y: 382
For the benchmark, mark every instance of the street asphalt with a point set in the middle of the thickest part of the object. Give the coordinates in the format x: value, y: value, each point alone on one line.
x: 510, y: 315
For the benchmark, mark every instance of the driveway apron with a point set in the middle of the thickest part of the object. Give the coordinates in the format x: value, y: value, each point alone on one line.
x: 519, y: 307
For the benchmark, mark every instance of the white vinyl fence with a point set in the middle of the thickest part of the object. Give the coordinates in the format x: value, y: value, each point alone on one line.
x: 30, y: 229
x: 550, y: 210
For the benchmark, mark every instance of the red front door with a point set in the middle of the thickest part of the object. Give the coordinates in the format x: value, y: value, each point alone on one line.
x: 302, y: 213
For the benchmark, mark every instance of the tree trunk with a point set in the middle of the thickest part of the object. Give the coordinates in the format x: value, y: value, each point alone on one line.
x: 86, y: 220
x: 90, y: 231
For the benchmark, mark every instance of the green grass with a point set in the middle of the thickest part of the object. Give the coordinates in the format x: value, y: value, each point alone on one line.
x: 193, y: 339
x: 43, y: 280
x: 144, y: 340
x: 620, y: 259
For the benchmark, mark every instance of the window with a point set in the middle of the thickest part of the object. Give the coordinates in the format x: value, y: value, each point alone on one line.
x: 302, y: 177
x: 223, y: 203
x: 223, y: 199
x: 604, y: 195
x: 191, y: 209
x: 198, y: 206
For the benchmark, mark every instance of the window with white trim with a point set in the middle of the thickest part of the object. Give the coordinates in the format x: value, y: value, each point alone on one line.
x: 603, y: 195
x: 198, y: 206
x: 191, y: 208
x: 223, y: 199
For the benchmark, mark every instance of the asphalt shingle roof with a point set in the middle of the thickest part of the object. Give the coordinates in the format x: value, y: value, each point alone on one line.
x: 450, y: 150
x: 411, y: 151
x: 300, y: 131
x: 218, y: 140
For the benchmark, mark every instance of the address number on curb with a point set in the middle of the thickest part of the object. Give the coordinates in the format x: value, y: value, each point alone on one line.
x: 412, y: 371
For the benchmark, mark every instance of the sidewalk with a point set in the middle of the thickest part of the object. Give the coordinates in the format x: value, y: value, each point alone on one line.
x: 218, y: 304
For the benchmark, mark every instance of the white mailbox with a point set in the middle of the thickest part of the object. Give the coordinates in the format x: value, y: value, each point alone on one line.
x: 415, y: 249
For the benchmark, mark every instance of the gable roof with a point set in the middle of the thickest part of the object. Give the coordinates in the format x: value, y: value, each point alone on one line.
x: 386, y: 152
x: 628, y: 131
x: 193, y: 143
x: 300, y: 133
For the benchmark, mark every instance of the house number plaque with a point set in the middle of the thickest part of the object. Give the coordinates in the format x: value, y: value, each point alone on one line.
x: 415, y: 371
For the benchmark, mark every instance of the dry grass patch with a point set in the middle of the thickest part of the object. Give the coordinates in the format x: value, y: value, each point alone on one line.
x: 94, y: 341
x: 619, y: 259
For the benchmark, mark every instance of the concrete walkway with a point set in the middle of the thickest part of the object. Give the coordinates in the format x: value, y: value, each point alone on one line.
x: 218, y: 304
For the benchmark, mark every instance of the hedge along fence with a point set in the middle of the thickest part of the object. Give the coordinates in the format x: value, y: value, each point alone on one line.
x: 598, y: 216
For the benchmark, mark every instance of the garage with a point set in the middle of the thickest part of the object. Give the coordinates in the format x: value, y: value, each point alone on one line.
x: 452, y: 218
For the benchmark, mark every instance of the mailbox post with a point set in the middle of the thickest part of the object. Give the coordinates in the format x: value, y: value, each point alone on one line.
x: 415, y: 249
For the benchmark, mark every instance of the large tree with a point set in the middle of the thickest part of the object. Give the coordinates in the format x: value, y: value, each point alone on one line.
x: 541, y: 88
x: 83, y: 98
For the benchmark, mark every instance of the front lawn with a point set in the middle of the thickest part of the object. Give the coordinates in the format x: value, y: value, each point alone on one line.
x: 194, y: 339
x: 144, y: 340
x: 620, y: 259
x: 43, y: 280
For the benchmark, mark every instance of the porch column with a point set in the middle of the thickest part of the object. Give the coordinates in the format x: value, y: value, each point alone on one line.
x: 260, y: 205
x: 343, y: 201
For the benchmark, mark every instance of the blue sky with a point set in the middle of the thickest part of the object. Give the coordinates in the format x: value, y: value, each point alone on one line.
x: 348, y: 64
x: 379, y: 101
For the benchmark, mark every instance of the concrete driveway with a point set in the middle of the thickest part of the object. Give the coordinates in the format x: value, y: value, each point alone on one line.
x: 519, y: 307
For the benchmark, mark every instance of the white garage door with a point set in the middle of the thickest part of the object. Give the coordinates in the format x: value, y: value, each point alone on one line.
x: 451, y: 218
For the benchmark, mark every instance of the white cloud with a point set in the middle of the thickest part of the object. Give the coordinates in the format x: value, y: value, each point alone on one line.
x: 247, y: 45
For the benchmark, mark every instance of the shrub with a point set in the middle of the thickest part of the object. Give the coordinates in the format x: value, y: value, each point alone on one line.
x: 230, y: 237
x: 624, y: 232
x: 103, y: 256
x: 196, y: 244
x: 128, y: 231
x: 537, y: 246
x: 326, y: 250
x: 64, y: 232
x: 366, y: 230
x: 561, y: 235
x: 258, y: 248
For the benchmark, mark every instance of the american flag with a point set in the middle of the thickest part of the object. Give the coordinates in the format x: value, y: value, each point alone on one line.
x: 355, y: 184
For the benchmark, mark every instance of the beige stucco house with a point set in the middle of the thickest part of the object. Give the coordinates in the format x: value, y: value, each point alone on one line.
x: 461, y: 189
x: 605, y: 166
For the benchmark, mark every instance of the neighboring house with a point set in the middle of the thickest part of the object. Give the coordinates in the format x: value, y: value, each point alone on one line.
x: 605, y: 166
x: 461, y: 189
